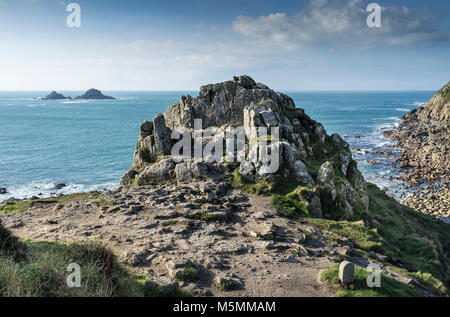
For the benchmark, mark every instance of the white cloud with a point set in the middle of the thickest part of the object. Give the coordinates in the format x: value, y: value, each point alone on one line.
x: 341, y: 23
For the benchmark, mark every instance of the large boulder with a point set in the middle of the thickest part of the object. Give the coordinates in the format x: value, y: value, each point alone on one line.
x: 156, y: 173
x: 185, y: 172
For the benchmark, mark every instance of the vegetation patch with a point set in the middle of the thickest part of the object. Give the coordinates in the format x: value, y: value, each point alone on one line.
x: 44, y: 273
x: 169, y: 223
x: 389, y: 286
x: 409, y: 236
x: 225, y: 286
x: 432, y: 282
x: 188, y: 273
x: 360, y: 236
x: 204, y: 216
x: 258, y: 188
x: 290, y: 207
x: 12, y: 207
x: 105, y: 202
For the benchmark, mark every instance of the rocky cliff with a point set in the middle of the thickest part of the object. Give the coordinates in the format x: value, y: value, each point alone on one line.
x: 437, y: 109
x: 307, y: 154
x: 424, y: 137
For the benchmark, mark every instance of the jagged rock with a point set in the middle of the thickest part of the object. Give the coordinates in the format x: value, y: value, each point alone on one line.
x: 55, y: 96
x: 163, y: 142
x: 339, y: 142
x: 438, y: 108
x: 351, y: 196
x: 326, y: 173
x: 315, y: 207
x: 301, y: 173
x: 241, y: 103
x: 3, y: 190
x: 94, y: 94
x: 185, y: 172
x: 60, y: 186
x: 320, y: 132
x: 161, y: 285
x: 359, y: 183
x: 247, y: 169
x: 128, y: 177
x: 345, y: 159
x: 158, y: 172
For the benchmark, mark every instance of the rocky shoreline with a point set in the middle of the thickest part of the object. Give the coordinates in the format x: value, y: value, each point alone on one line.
x: 424, y: 138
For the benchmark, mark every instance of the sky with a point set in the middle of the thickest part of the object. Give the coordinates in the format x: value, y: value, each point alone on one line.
x: 180, y: 45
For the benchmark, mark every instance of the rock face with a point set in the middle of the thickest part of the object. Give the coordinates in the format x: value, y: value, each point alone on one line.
x: 437, y: 109
x: 280, y: 144
x: 55, y: 96
x: 424, y: 137
x: 94, y: 94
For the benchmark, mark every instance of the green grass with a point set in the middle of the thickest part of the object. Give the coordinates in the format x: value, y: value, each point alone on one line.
x: 258, y: 188
x: 10, y: 207
x: 445, y: 93
x: 432, y: 282
x: 290, y: 207
x: 389, y: 286
x: 225, y: 286
x: 44, y: 273
x: 410, y: 236
x: 362, y: 237
x: 39, y: 269
x: 188, y: 273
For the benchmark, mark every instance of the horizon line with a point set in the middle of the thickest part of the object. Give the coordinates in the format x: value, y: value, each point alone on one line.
x: 181, y: 90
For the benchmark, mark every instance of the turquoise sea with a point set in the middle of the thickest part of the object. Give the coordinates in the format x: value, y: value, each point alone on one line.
x: 89, y: 144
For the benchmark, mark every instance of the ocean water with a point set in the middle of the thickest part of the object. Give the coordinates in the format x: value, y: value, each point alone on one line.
x: 89, y: 144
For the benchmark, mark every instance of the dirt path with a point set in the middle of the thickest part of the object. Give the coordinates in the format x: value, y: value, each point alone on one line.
x: 222, y: 231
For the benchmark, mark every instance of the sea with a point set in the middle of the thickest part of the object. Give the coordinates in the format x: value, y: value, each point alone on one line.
x: 89, y: 144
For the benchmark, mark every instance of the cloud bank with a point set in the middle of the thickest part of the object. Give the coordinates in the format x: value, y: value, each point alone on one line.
x: 342, y: 23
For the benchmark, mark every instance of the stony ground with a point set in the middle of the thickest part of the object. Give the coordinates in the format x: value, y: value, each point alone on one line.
x: 222, y: 235
x: 223, y: 232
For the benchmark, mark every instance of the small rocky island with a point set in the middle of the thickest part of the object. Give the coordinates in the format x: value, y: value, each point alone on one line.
x: 55, y: 96
x: 424, y: 137
x: 230, y: 228
x: 94, y: 94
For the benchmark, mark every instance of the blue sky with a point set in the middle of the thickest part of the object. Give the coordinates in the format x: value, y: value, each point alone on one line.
x: 180, y: 45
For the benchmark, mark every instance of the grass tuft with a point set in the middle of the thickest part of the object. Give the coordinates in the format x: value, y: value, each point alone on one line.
x: 389, y: 286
